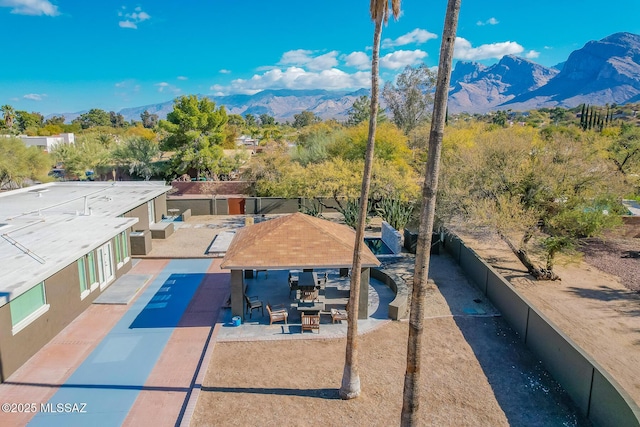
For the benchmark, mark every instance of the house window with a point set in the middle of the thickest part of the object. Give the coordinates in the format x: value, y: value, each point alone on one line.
x: 122, y: 249
x: 151, y: 211
x: 91, y: 263
x: 28, y: 307
x: 125, y: 246
x: 82, y: 275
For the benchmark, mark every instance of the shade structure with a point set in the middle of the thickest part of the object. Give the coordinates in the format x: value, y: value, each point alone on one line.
x: 294, y: 241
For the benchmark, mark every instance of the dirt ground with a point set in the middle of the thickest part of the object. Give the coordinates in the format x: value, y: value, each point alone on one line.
x: 591, y: 306
x: 465, y: 382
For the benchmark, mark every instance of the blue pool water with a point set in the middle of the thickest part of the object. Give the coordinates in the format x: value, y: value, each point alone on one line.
x: 377, y: 246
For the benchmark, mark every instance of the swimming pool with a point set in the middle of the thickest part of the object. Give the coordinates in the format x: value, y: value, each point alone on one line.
x: 377, y: 246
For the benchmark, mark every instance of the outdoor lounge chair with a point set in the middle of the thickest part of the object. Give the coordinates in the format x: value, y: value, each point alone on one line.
x: 277, y: 313
x: 310, y: 322
x: 253, y: 303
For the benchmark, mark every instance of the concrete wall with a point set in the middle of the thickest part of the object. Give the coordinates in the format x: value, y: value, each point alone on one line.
x: 213, y: 205
x: 399, y: 307
x: 142, y: 214
x: 598, y: 396
x: 62, y: 291
x: 160, y: 207
x: 391, y: 237
x: 209, y: 188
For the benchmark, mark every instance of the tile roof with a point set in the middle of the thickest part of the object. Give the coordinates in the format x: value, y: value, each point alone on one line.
x: 294, y: 242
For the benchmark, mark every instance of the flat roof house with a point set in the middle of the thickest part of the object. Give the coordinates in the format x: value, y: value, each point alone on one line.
x: 61, y: 245
x: 48, y: 143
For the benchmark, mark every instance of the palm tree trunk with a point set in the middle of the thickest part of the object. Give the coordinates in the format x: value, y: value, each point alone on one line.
x: 350, y: 387
x: 411, y: 393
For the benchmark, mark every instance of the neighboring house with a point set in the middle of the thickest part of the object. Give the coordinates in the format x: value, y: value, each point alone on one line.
x: 48, y: 143
x: 61, y: 245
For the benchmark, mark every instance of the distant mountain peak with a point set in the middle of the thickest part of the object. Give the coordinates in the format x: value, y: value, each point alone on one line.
x: 602, y: 71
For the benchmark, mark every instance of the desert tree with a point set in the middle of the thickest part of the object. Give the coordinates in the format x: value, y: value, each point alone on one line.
x: 409, y: 98
x: 535, y: 193
x: 411, y: 393
x: 350, y: 387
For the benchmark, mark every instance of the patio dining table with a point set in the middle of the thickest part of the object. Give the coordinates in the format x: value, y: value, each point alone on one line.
x: 310, y: 307
x: 308, y: 280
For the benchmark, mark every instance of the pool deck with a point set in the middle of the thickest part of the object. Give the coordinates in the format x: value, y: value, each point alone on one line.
x: 130, y: 365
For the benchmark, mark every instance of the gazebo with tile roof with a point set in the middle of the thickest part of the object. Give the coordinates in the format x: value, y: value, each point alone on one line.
x: 296, y: 241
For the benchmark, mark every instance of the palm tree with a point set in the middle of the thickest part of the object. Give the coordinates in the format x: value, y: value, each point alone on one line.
x: 411, y: 393
x: 350, y: 387
x: 8, y: 114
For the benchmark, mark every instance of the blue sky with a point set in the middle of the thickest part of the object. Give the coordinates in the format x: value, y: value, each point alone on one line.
x: 71, y: 55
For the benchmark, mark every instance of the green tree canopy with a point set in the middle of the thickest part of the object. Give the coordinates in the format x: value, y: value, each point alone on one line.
x: 409, y: 98
x: 250, y: 120
x: 29, y: 121
x: 117, y: 120
x: 267, y: 120
x: 55, y: 120
x: 87, y: 154
x: 196, y: 129
x: 305, y: 118
x: 194, y: 120
x: 92, y: 118
x: 149, y: 120
x: 139, y: 154
x: 361, y: 110
x: 19, y: 163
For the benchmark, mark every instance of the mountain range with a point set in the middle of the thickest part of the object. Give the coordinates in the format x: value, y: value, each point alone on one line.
x: 601, y: 72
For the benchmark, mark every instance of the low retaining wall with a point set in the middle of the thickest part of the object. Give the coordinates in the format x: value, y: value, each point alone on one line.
x: 598, y: 396
x: 399, y: 307
x: 391, y: 237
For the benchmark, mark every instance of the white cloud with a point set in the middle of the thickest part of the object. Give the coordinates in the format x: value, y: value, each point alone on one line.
x: 305, y: 58
x: 162, y: 86
x: 224, y: 71
x: 464, y: 50
x: 132, y: 19
x: 359, y: 60
x: 417, y: 36
x: 490, y: 21
x: 296, y: 78
x: 127, y: 24
x: 402, y: 58
x: 532, y: 54
x: 31, y: 7
x: 183, y: 78
x: 35, y: 96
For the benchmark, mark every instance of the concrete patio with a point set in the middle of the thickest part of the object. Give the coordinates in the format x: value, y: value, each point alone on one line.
x: 273, y: 288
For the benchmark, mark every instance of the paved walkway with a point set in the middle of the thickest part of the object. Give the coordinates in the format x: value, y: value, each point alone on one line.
x: 126, y: 365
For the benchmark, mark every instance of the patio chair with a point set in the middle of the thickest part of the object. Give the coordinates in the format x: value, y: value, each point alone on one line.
x: 310, y: 322
x: 277, y: 313
x: 253, y: 303
x: 309, y: 295
x: 338, y: 315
